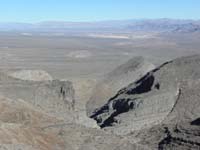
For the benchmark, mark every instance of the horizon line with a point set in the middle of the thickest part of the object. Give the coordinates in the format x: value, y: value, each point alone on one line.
x: 96, y: 21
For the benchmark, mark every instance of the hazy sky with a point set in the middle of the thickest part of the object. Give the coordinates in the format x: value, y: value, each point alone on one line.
x: 94, y: 10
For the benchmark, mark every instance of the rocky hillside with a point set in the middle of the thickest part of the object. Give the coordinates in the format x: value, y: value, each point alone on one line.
x: 159, y: 109
x: 112, y: 82
x: 26, y: 127
x: 55, y: 97
x: 166, y: 100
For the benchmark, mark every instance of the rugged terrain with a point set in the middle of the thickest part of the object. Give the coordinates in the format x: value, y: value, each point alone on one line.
x: 120, y: 77
x: 159, y: 110
x: 53, y: 79
x: 41, y: 115
x: 162, y: 106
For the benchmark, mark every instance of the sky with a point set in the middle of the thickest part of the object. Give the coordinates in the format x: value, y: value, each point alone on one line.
x: 31, y: 11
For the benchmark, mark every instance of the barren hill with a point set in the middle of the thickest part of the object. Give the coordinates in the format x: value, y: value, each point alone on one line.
x: 54, y: 96
x: 159, y: 109
x: 120, y: 77
x: 166, y: 94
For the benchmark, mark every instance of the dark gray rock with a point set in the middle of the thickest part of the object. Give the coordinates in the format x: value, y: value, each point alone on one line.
x: 117, y: 79
x: 168, y: 93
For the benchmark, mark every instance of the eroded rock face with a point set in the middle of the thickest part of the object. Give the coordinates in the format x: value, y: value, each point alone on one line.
x: 181, y: 136
x: 24, y: 126
x: 148, y: 101
x: 21, y: 127
x: 158, y: 111
x: 180, y: 129
x: 117, y: 79
x: 55, y: 97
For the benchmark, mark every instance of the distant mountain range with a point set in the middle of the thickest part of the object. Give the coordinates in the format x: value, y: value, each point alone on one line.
x: 147, y: 25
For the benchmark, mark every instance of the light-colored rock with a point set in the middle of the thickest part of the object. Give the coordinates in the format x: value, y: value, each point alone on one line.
x: 54, y: 97
x: 31, y: 75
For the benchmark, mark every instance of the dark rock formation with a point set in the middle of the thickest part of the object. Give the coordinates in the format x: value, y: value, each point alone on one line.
x: 196, y: 122
x: 167, y: 93
x: 115, y: 80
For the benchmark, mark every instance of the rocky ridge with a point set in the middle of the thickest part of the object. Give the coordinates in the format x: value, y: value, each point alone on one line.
x: 159, y: 110
x: 151, y: 99
x: 120, y: 77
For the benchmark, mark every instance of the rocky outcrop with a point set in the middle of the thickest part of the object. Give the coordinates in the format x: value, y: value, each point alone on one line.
x: 167, y: 93
x: 21, y: 127
x: 24, y: 126
x: 180, y: 129
x: 181, y: 136
x: 54, y: 97
x: 117, y: 79
x: 158, y: 111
